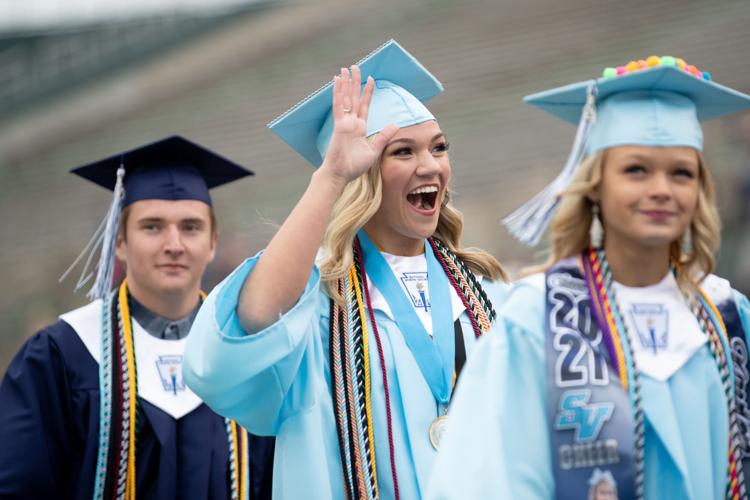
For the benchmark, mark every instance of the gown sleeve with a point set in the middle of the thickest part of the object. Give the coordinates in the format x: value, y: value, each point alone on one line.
x: 496, y: 442
x: 261, y: 379
x: 36, y: 421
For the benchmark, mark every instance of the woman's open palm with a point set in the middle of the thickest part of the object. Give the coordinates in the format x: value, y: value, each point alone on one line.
x: 349, y: 153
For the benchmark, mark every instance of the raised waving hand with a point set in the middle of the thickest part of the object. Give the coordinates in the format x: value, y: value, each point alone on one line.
x: 281, y: 273
x: 349, y: 153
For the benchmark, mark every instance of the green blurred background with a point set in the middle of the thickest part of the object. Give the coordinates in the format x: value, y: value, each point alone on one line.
x: 75, y: 90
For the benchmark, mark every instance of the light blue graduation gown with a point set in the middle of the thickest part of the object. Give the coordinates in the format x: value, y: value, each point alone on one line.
x: 277, y: 382
x: 497, y: 441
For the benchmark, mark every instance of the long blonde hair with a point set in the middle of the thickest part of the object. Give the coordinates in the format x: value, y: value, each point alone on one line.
x: 356, y: 206
x: 569, y: 230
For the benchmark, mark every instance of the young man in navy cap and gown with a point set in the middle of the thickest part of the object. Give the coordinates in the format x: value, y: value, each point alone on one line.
x: 94, y: 405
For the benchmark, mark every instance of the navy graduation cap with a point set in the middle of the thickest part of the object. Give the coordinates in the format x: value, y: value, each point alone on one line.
x: 173, y: 169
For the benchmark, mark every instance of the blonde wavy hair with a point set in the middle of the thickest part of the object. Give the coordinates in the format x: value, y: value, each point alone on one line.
x: 569, y: 230
x: 356, y: 206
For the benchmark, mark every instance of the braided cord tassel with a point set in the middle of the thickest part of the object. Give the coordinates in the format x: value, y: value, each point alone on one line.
x: 105, y: 394
x: 244, y: 492
x: 355, y: 343
x: 364, y: 362
x: 596, y: 291
x: 231, y: 429
x: 337, y: 323
x: 122, y: 460
x: 471, y: 280
x: 384, y: 373
x: 478, y: 311
x: 612, y: 308
x: 353, y: 408
x: 130, y: 394
x: 473, y: 291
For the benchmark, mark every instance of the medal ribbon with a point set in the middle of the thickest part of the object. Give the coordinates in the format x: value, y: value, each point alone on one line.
x: 434, y: 356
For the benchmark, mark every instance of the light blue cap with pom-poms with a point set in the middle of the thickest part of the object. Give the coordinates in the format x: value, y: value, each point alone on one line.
x: 660, y: 103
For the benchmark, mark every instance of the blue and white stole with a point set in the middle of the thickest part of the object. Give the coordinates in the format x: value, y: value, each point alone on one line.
x: 590, y: 413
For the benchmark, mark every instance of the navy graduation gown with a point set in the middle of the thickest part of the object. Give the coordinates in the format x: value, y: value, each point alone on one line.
x: 49, y: 433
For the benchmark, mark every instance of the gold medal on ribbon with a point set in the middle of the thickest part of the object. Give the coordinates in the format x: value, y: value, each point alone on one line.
x: 437, y: 429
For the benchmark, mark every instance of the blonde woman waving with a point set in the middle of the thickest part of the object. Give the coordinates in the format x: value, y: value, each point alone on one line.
x: 350, y: 357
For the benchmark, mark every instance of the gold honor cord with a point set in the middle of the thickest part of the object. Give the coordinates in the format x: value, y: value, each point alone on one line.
x: 127, y: 331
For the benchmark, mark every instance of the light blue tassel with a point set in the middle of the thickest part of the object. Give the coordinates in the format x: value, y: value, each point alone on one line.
x: 528, y: 222
x: 104, y: 240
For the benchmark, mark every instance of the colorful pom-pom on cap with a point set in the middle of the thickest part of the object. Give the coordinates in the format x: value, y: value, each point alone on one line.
x: 654, y: 62
x: 668, y: 61
x: 683, y: 97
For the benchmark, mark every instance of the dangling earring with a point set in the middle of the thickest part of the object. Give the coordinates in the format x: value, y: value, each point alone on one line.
x: 446, y: 199
x: 596, y: 231
x: 687, y: 242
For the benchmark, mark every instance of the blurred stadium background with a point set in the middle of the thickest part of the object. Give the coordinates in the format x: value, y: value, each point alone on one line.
x: 77, y: 85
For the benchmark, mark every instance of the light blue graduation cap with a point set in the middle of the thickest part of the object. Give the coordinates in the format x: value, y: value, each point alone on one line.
x: 659, y: 103
x: 402, y: 85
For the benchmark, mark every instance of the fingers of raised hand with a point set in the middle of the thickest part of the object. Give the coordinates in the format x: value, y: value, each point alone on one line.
x: 364, y: 104
x: 356, y: 87
x: 349, y: 96
x: 337, y: 98
x: 346, y: 90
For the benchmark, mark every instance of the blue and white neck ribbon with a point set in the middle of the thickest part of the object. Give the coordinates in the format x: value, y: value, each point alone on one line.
x: 434, y: 356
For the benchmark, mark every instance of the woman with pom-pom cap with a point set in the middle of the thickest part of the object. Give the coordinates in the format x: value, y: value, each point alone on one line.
x: 622, y: 355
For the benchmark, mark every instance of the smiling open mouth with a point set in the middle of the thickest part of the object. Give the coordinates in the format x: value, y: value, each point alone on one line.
x: 423, y: 198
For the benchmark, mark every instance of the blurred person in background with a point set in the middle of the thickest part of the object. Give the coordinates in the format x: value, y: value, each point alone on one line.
x: 350, y: 358
x: 623, y: 356
x: 94, y: 405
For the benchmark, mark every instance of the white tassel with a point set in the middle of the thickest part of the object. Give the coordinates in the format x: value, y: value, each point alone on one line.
x: 104, y: 240
x: 528, y: 222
